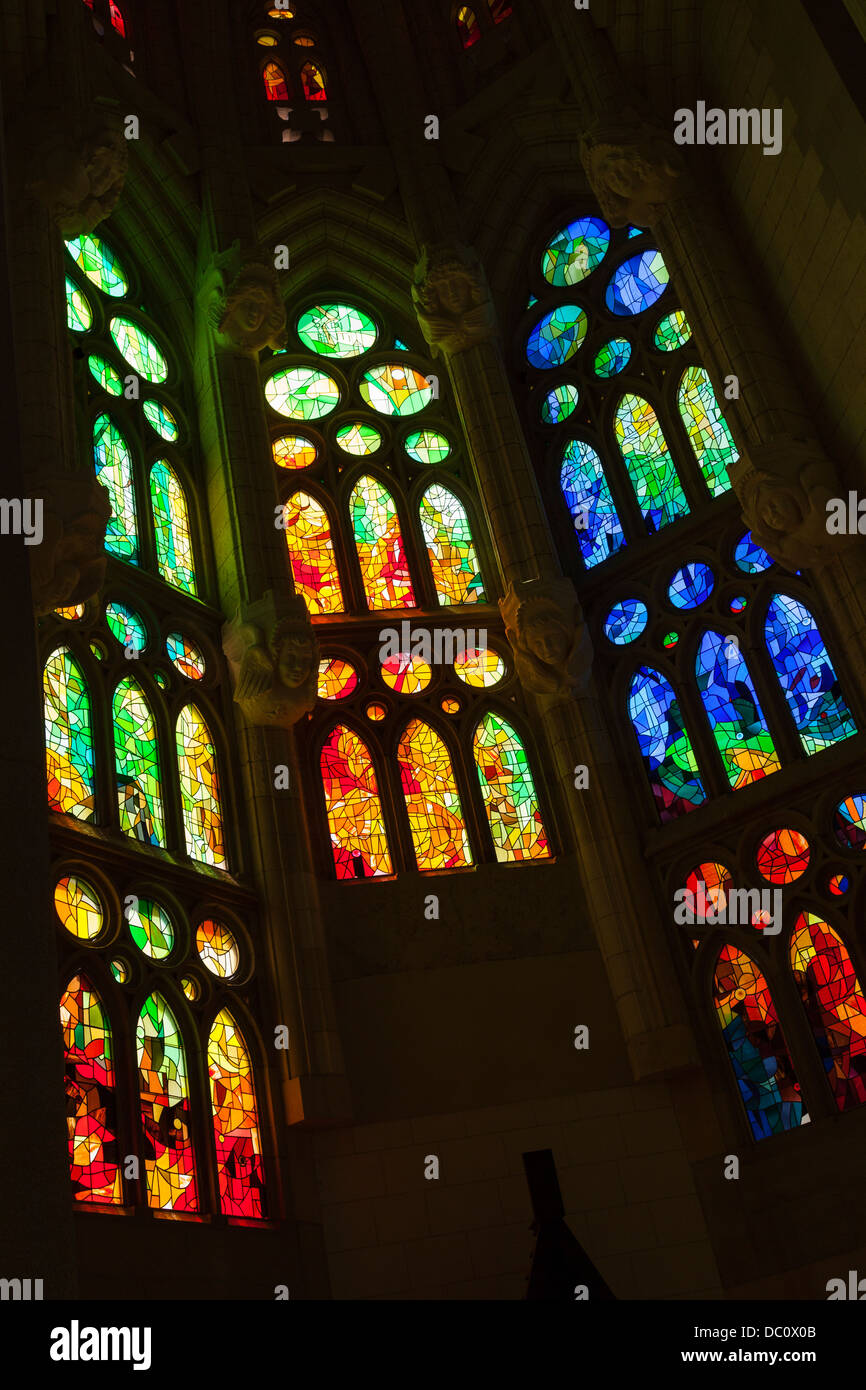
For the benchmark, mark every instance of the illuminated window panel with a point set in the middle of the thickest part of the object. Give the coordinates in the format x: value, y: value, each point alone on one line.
x: 559, y: 403
x: 838, y: 884
x: 432, y: 803
x: 849, y: 822
x: 313, y: 83
x: 650, y: 467
x: 303, y: 40
x: 185, y: 656
x: 117, y: 21
x: 395, y: 389
x: 709, y: 886
x: 711, y: 440
x: 691, y: 586
x: 301, y: 393
x: 357, y: 830
x: 358, y: 439
x: 467, y: 26
x: 165, y: 1115
x: 450, y: 705
x: 218, y: 949
x: 337, y: 330
x: 79, y: 908
x: 612, y: 358
x: 426, y: 446
x: 199, y: 789
x: 637, y: 284
x: 114, y: 470
x: 376, y: 711
x: 626, y: 621
x: 119, y: 969
x: 103, y: 372
x: 285, y: 13
x: 337, y: 679
x: 235, y: 1121
x: 126, y: 626
x: 171, y: 528
x: 267, y: 40
x: 665, y: 746
x: 750, y: 557
x: 314, y: 566
x: 379, y: 543
x: 556, y: 337
x: 575, y: 251
x: 806, y: 675
x: 294, y: 451
x: 588, y: 498
x: 833, y: 999
x: 480, y: 667
x: 756, y: 1045
x: 783, y: 856
x: 78, y: 315
x: 139, y: 786
x: 450, y: 547
x: 91, y: 1106
x: 68, y: 736
x: 673, y: 331
x: 735, y: 716
x: 276, y: 87
x: 150, y: 927
x: 508, y: 792
x: 406, y: 674
x: 96, y: 259
x: 71, y: 614
x: 499, y: 10
x: 190, y: 988
x: 160, y: 418
x: 139, y: 349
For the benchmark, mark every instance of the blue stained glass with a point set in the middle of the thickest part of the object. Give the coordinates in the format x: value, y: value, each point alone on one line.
x: 398, y: 343
x: 733, y: 710
x: 749, y: 557
x: 637, y: 283
x: 533, y: 299
x: 625, y: 621
x: 575, y: 251
x: 691, y: 586
x: 636, y: 231
x: 559, y: 403
x: 612, y: 358
x: 806, y: 675
x: 648, y: 459
x: 556, y: 337
x: 665, y: 745
x: 587, y: 495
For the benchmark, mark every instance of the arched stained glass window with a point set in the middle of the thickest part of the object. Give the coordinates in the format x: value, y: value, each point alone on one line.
x: 68, y: 736
x: 834, y: 1004
x: 168, y: 1152
x: 806, y: 675
x: 358, y: 839
x: 432, y: 801
x: 313, y: 83
x: 139, y: 786
x: 235, y: 1120
x: 114, y: 470
x: 171, y: 528
x: 453, y: 560
x: 117, y: 20
x: 665, y: 745
x: 710, y: 438
x: 756, y: 1045
x: 733, y: 710
x: 650, y: 467
x: 587, y: 495
x: 276, y: 87
x: 499, y: 10
x: 311, y: 552
x: 508, y: 791
x: 379, y: 543
x: 467, y: 26
x: 199, y: 789
x: 91, y: 1101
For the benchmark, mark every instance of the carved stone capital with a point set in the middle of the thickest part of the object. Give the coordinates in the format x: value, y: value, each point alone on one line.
x: 785, y: 486
x: 67, y: 558
x: 633, y: 168
x: 452, y: 299
x: 545, y: 629
x: 273, y: 655
x: 78, y: 170
x: 239, y: 294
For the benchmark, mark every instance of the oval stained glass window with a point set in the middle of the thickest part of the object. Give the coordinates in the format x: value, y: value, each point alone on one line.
x: 78, y: 315
x: 71, y: 614
x: 750, y: 557
x: 126, y: 626
x: 673, y: 331
x: 301, y: 393
x: 626, y: 621
x: 406, y: 674
x: 119, y: 969
x: 79, y: 908
x: 783, y: 856
x: 480, y: 667
x: 559, y: 403
x: 637, y: 283
x: 849, y: 821
x: 612, y: 358
x: 575, y: 251
x: 294, y: 451
x: 337, y: 330
x: 160, y: 418
x: 218, y: 949
x: 376, y: 711
x: 707, y: 889
x: 185, y: 656
x: 395, y: 389
x: 691, y: 586
x: 556, y: 337
x: 150, y: 927
x: 426, y: 446
x: 337, y: 679
x: 103, y: 372
x: 139, y: 349
x: 358, y: 438
x: 99, y: 263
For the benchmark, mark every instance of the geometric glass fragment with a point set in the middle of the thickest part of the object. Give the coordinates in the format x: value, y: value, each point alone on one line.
x: 314, y: 566
x: 734, y: 712
x: 750, y: 557
x: 165, y: 1114
x: 849, y: 821
x: 68, y: 736
x: 691, y: 586
x: 575, y: 251
x: 710, y: 438
x: 556, y: 337
x: 450, y: 548
x: 665, y: 746
x: 139, y: 789
x: 508, y: 791
x: 432, y: 801
x: 357, y: 830
x: 806, y: 675
x: 637, y: 283
x: 78, y: 315
x: 588, y: 498
x: 199, y: 789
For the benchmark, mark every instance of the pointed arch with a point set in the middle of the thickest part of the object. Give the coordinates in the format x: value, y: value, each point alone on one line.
x: 171, y: 528
x: 311, y: 553
x: 665, y: 745
x: 68, y: 736
x: 712, y: 442
x: 587, y: 495
x: 359, y: 840
x: 508, y: 790
x: 450, y: 547
x: 169, y: 1159
x: 432, y: 800
x: 756, y: 1045
x: 235, y: 1120
x: 113, y: 462
x: 199, y: 788
x: 91, y: 1095
x: 499, y: 10
x: 468, y: 27
x: 379, y: 543
x: 313, y: 82
x: 734, y: 711
x: 648, y: 460
x: 276, y: 83
x: 835, y: 1007
x: 136, y: 757
x: 806, y: 675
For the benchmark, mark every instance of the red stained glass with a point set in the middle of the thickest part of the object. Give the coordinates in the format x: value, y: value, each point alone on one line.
x: 276, y: 87
x: 834, y: 1004
x: 313, y: 83
x: 90, y: 1095
x: 783, y: 856
x: 235, y: 1120
x: 358, y: 838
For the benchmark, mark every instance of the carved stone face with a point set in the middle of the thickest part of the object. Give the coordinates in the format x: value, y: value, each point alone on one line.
x: 295, y: 659
x: 246, y: 311
x: 774, y: 504
x: 548, y: 640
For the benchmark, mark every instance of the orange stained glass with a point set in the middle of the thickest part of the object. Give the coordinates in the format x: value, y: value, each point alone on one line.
x: 450, y: 705
x: 406, y: 674
x: 169, y: 1159
x: 77, y: 611
x: 78, y: 907
x: 833, y: 999
x: 467, y: 26
x: 435, y: 816
x: 276, y: 88
x: 235, y: 1120
x: 358, y: 839
x: 91, y: 1120
x: 314, y: 565
x: 375, y: 711
x: 199, y: 789
x: 508, y: 791
x: 313, y: 83
x: 450, y: 547
x: 294, y: 451
x: 337, y: 678
x: 379, y: 542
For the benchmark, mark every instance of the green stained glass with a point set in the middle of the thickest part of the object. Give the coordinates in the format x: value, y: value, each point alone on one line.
x: 379, y: 542
x: 612, y: 358
x: 78, y: 315
x: 451, y: 550
x: 337, y: 330
x: 652, y: 471
x: 150, y: 927
x: 126, y: 626
x: 139, y: 349
x: 709, y: 436
x: 300, y: 393
x: 161, y: 680
x: 508, y: 791
x: 575, y: 251
x: 160, y: 418
x: 559, y: 403
x: 556, y: 337
x: 119, y: 970
x: 395, y: 389
x: 672, y: 332
x: 68, y: 736
x: 104, y: 373
x: 139, y: 788
x: 99, y: 263
x: 358, y: 438
x: 165, y: 1115
x: 114, y: 469
x: 426, y: 446
x: 171, y: 528
x: 199, y: 789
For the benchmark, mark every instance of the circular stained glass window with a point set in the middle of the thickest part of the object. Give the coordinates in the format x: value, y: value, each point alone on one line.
x: 150, y: 927
x: 337, y: 330
x: 575, y: 251
x: 849, y: 821
x: 556, y: 337
x: 185, y: 656
x: 190, y: 988
x: 395, y: 389
x: 99, y: 263
x: 450, y: 705
x: 337, y: 678
x: 294, y: 451
x: 749, y: 556
x: 79, y: 908
x: 426, y: 446
x: 126, y: 626
x: 559, y: 403
x: 691, y: 586
x: 358, y: 438
x: 672, y: 332
x: 119, y: 969
x: 637, y: 284
x: 626, y: 621
x: 783, y: 856
x: 406, y: 674
x: 838, y: 884
x: 139, y: 349
x: 103, y: 372
x: 612, y: 358
x: 375, y: 711
x: 738, y: 604
x: 218, y: 949
x: 670, y: 640
x: 481, y: 667
x: 160, y: 418
x: 707, y: 888
x: 300, y: 393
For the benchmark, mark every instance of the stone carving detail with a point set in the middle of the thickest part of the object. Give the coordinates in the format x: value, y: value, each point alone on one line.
x: 452, y: 299
x: 633, y: 169
x: 240, y: 296
x: 68, y: 565
x: 274, y: 659
x: 80, y: 174
x: 545, y: 628
x: 784, y: 487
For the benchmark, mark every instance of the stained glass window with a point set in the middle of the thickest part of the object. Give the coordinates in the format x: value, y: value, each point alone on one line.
x: 467, y: 26
x: 199, y: 789
x: 652, y: 471
x: 612, y: 358
x: 406, y: 674
x: 783, y: 856
x: 337, y: 330
x: 709, y: 886
x: 117, y: 20
x: 480, y: 667
x: 150, y: 927
x: 433, y: 805
x: 637, y: 283
x: 806, y: 675
x: 78, y: 907
x: 691, y: 586
x: 171, y: 528
x: 139, y: 349
x: 294, y: 451
x: 450, y: 547
x: 508, y: 791
x: 114, y: 470
x: 849, y: 822
x: 587, y: 495
x: 749, y: 557
x: 559, y: 403
x: 168, y: 1152
x: 185, y: 656
x: 499, y: 10
x: 139, y: 787
x: 160, y: 418
x: 96, y: 259
x: 91, y: 1105
x: 626, y: 621
x: 302, y: 393
x: 379, y: 542
x: 126, y: 626
x: 672, y: 332
x: 218, y: 949
x: 78, y: 315
x: 235, y: 1120
x: 426, y: 446
x: 665, y: 745
x: 337, y: 679
x: 357, y: 830
x: 308, y: 534
x: 358, y: 438
x: 395, y: 389
x: 103, y: 372
x: 708, y: 432
x: 556, y: 337
x: 834, y: 1004
x: 68, y: 736
x: 276, y: 87
x: 732, y: 707
x: 575, y: 251
x: 313, y: 83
